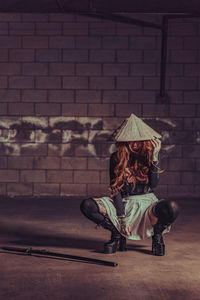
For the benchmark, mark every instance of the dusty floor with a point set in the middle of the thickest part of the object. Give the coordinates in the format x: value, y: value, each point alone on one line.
x: 57, y: 225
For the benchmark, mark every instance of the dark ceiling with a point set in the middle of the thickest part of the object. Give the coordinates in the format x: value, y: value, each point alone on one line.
x: 137, y: 6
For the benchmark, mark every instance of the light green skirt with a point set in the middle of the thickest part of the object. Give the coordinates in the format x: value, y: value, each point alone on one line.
x: 136, y: 211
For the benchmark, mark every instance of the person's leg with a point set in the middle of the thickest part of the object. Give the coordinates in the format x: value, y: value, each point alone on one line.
x: 166, y: 211
x: 90, y: 209
x: 152, y: 217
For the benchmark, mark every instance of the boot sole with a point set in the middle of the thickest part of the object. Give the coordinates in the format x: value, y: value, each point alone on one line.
x: 120, y: 246
x: 110, y: 249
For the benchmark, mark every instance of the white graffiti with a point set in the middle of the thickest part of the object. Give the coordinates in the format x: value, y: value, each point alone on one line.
x: 89, y: 135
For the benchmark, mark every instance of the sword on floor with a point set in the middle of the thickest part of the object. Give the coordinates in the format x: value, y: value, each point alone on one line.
x: 30, y: 251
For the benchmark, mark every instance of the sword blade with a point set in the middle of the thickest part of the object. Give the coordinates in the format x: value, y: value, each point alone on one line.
x: 30, y: 251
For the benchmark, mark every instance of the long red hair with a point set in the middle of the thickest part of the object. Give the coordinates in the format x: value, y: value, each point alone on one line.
x: 138, y: 172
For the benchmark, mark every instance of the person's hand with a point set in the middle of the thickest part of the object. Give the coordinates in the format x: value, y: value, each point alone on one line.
x: 124, y: 227
x: 156, y: 145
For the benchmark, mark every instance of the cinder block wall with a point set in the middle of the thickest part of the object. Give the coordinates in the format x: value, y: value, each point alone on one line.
x: 66, y: 82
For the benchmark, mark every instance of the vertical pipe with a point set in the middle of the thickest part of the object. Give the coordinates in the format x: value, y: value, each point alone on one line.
x: 163, y: 56
x: 91, y: 6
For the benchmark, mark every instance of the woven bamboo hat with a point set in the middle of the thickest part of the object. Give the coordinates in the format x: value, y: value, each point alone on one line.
x: 134, y: 129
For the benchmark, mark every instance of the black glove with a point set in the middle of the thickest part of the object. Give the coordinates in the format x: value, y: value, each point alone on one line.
x: 119, y: 205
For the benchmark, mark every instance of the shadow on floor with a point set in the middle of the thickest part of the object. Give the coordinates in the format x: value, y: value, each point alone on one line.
x: 32, y: 237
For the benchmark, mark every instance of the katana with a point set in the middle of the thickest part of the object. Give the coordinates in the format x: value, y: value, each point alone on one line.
x: 30, y: 251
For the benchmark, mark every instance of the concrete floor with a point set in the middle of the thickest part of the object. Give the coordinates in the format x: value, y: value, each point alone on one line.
x: 57, y: 225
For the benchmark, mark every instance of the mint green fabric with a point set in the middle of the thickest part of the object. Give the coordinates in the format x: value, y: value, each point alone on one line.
x: 136, y: 211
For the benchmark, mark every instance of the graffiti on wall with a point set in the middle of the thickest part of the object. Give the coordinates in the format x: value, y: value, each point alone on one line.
x: 88, y: 136
x: 60, y: 133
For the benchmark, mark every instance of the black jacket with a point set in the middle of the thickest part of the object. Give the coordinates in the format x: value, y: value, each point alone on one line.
x: 128, y: 187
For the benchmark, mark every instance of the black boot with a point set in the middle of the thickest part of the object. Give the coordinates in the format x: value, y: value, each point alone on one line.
x: 166, y: 211
x: 90, y: 209
x: 158, y: 246
x: 122, y: 243
x: 112, y: 245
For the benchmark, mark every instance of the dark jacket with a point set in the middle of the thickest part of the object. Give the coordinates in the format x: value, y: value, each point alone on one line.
x: 128, y: 187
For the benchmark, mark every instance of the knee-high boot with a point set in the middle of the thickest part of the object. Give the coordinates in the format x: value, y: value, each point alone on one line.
x: 166, y: 211
x: 112, y: 245
x: 158, y: 246
x: 122, y: 243
x: 116, y: 238
x: 90, y: 209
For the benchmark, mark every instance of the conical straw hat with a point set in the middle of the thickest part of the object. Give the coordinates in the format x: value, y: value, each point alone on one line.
x: 134, y: 129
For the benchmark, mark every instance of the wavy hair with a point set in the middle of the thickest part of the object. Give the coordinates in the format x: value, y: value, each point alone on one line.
x: 142, y: 153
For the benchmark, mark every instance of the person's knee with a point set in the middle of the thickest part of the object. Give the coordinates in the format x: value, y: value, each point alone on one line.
x: 85, y: 205
x: 174, y: 205
x: 166, y: 211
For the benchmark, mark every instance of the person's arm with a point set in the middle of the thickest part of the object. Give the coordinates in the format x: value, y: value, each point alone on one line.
x: 155, y: 165
x: 153, y: 173
x: 117, y: 199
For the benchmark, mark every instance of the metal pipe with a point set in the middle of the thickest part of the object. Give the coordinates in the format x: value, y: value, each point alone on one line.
x: 163, y: 56
x: 122, y: 19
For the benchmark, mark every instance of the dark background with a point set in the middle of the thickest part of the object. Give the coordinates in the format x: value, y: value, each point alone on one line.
x: 67, y: 81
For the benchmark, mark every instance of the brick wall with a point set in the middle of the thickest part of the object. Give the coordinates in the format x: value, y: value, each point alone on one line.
x: 66, y: 82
